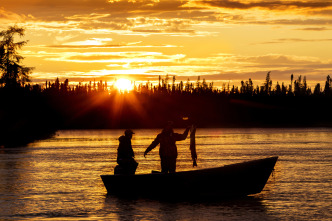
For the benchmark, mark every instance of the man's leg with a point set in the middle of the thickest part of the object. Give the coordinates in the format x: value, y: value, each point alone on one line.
x: 132, y: 166
x: 168, y: 164
x: 172, y: 164
x: 164, y: 165
x: 128, y: 165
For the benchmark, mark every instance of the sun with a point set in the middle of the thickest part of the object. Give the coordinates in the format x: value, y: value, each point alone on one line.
x: 123, y: 84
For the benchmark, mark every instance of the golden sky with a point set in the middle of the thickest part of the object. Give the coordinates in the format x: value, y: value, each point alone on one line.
x: 219, y: 40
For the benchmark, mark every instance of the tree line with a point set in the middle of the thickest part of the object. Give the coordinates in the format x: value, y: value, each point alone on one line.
x: 298, y: 87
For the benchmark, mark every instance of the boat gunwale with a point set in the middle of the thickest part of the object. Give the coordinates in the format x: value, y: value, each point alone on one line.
x: 275, y: 158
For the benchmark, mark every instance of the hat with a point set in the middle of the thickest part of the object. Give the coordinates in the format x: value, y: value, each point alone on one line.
x: 129, y: 131
x: 170, y: 123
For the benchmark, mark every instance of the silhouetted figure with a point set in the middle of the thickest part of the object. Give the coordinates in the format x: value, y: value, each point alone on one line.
x: 125, y: 159
x: 168, y: 150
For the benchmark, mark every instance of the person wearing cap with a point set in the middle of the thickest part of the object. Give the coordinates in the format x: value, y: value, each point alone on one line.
x: 168, y: 150
x: 125, y: 157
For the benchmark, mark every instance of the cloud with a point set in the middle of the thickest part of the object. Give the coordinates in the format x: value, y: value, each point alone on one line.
x: 278, y: 60
x: 296, y: 40
x: 324, y: 12
x: 270, y: 5
x: 76, y: 9
x: 314, y: 29
x: 86, y: 45
x: 293, y: 21
x: 147, y: 17
x: 225, y: 67
x: 7, y: 16
x: 115, y: 57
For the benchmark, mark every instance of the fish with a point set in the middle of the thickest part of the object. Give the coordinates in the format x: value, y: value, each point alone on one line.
x: 193, y: 145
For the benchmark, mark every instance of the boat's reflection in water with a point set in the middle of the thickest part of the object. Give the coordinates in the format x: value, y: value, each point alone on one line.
x: 245, y: 208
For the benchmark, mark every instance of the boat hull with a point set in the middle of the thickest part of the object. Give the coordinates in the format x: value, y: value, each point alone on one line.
x: 233, y: 180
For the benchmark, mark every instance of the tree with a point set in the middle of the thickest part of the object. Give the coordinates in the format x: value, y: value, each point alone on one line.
x: 291, y: 86
x: 327, y: 88
x: 278, y: 89
x: 317, y: 90
x: 298, y: 86
x: 198, y: 82
x: 173, y: 84
x: 13, y: 74
x: 268, y: 83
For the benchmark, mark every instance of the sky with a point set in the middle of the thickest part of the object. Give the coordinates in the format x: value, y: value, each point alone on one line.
x: 222, y: 41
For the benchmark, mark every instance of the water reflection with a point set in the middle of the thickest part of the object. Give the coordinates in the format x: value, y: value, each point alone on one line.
x: 59, y: 177
x: 13, y: 179
x: 248, y: 208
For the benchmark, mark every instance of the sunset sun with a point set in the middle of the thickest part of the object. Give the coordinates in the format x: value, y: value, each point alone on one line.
x: 123, y: 84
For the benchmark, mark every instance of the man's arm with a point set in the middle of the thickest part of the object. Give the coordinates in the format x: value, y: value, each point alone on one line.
x: 183, y: 136
x: 152, y: 145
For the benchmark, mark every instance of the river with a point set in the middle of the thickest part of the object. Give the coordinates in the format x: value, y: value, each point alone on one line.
x: 59, y: 178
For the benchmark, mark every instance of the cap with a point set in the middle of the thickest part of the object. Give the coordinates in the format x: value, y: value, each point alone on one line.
x: 129, y: 131
x: 170, y: 123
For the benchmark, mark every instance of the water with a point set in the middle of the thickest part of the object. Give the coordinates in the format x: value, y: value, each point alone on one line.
x: 58, y: 178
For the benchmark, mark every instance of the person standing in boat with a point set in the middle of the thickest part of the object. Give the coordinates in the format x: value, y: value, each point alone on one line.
x: 168, y: 150
x: 125, y: 158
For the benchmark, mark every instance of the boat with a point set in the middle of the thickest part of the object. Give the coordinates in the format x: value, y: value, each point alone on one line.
x: 234, y: 180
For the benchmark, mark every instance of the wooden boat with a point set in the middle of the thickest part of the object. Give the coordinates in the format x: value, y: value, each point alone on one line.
x: 233, y: 180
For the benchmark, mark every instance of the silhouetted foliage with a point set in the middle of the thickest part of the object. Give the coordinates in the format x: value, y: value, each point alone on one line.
x: 13, y: 74
x: 268, y: 84
x: 328, y: 86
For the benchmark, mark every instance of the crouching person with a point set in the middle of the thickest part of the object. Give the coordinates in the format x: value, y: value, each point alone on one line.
x: 125, y: 159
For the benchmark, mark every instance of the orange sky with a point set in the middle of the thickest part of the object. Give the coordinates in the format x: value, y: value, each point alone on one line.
x: 219, y: 40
